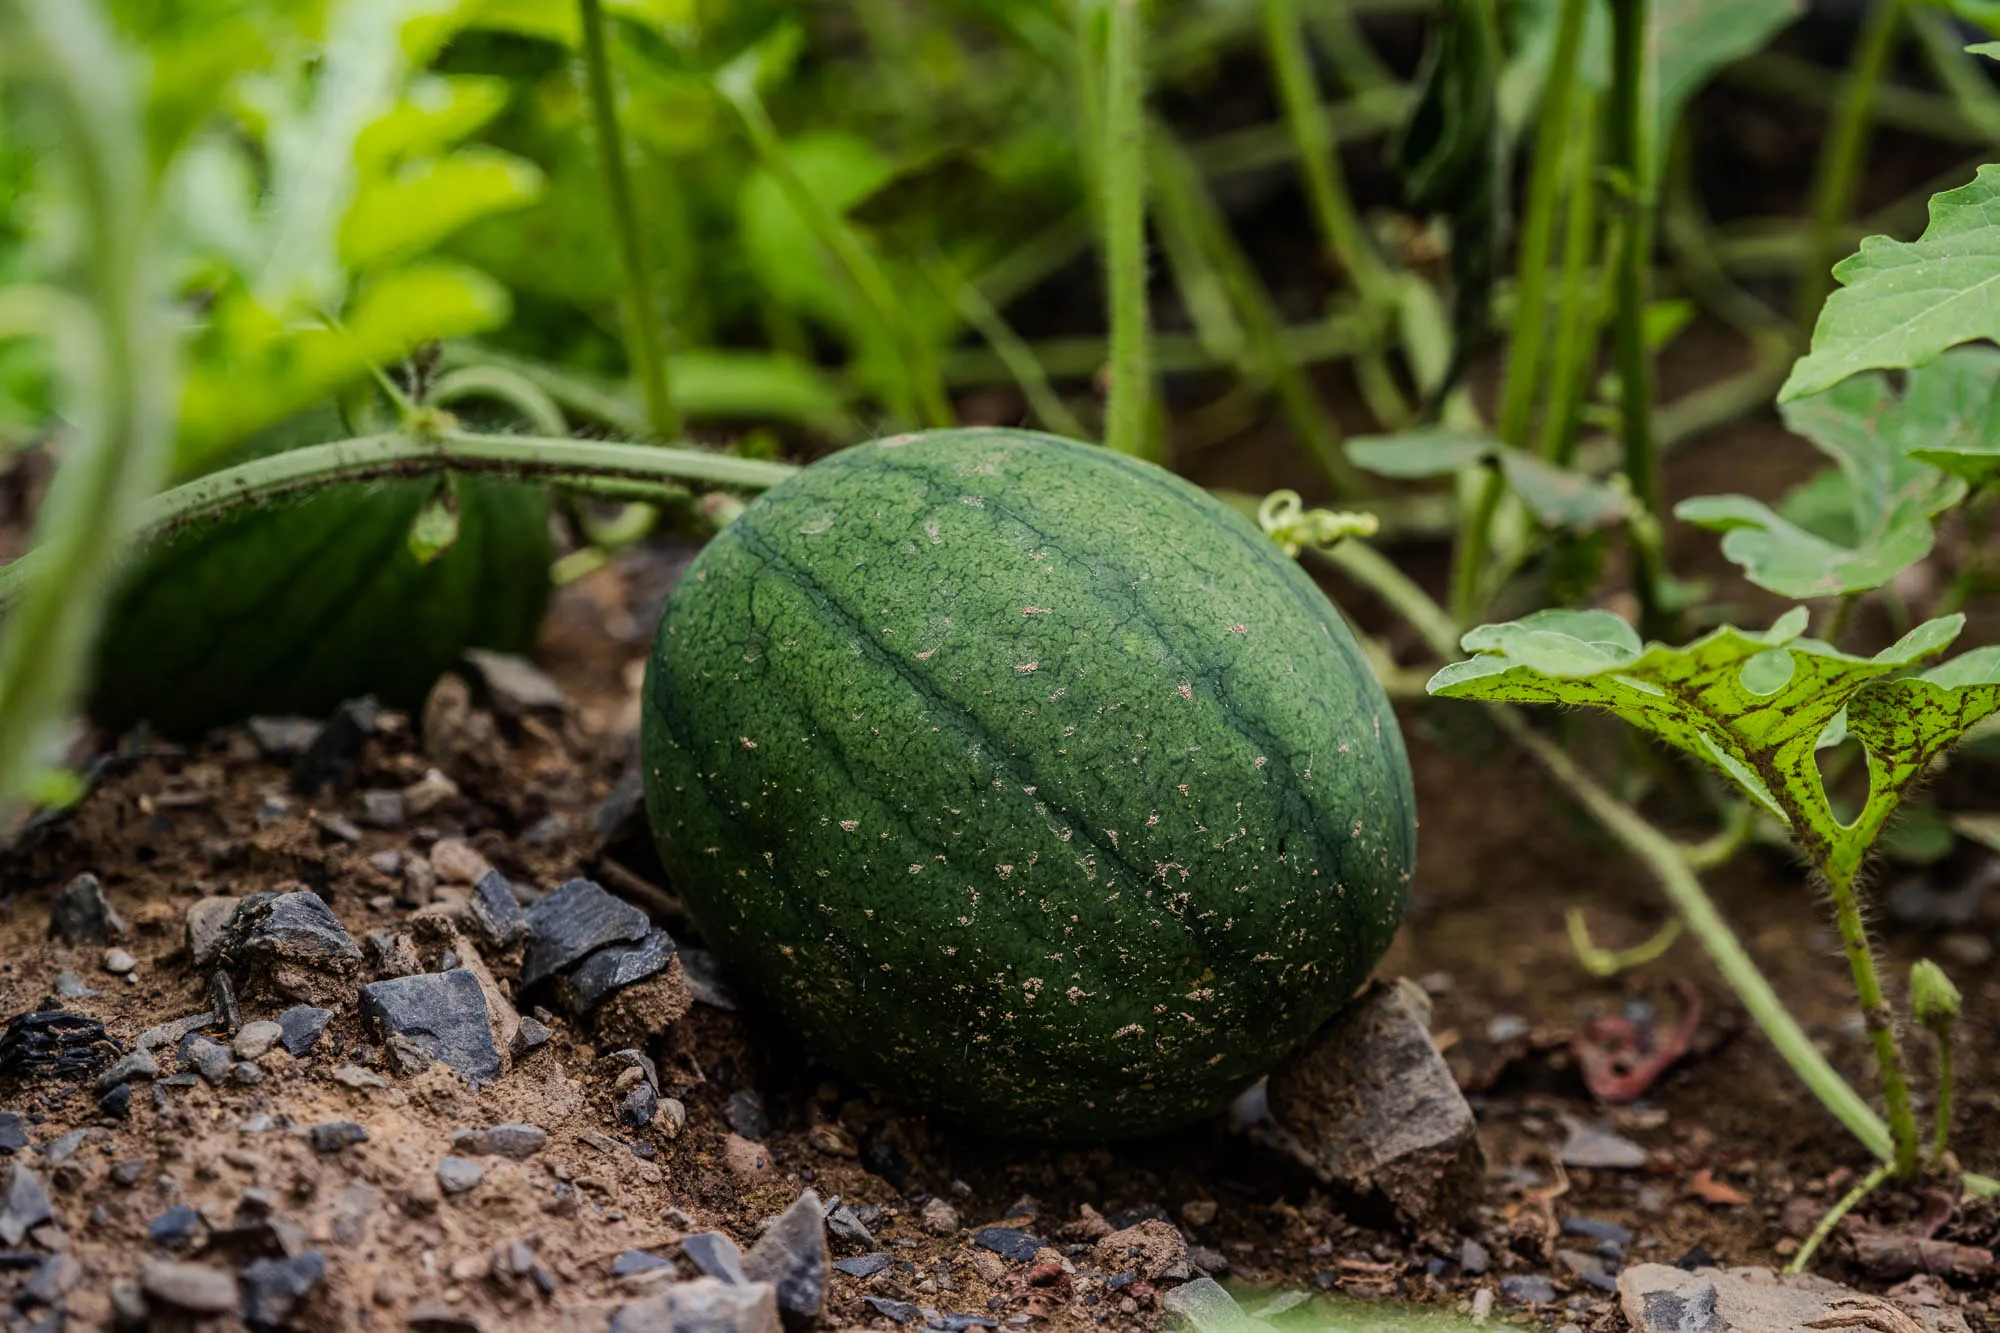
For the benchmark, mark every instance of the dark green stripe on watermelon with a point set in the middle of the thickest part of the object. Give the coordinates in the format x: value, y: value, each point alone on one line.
x: 1026, y: 780
x: 293, y: 607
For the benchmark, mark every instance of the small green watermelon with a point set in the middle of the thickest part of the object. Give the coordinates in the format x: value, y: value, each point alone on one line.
x: 1026, y: 781
x: 292, y: 607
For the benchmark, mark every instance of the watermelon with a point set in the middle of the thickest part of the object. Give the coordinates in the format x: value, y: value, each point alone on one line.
x: 1025, y: 781
x: 293, y: 607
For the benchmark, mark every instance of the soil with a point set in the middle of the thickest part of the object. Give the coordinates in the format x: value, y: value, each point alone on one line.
x: 1738, y: 1159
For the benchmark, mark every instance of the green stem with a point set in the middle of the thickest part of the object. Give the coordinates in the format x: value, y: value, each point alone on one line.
x: 122, y: 395
x: 1013, y: 351
x: 1122, y: 180
x: 377, y: 457
x: 535, y: 404
x: 1875, y: 1014
x: 1538, y: 228
x: 1576, y: 334
x: 1632, y: 107
x: 1652, y: 848
x: 1842, y: 151
x: 921, y: 383
x: 1468, y: 557
x: 1602, y: 962
x: 1847, y: 1204
x: 1941, y: 1134
x: 646, y: 349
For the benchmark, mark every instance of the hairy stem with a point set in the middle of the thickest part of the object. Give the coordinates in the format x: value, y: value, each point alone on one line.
x: 1847, y: 1204
x: 1468, y: 555
x: 1842, y: 151
x: 646, y: 348
x: 1631, y: 117
x: 1576, y: 327
x: 1875, y: 1013
x: 1122, y: 181
x: 1652, y: 848
x: 1941, y: 1133
x: 1013, y: 351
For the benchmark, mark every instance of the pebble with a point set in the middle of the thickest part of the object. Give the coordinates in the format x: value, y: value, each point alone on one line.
x: 429, y: 792
x: 1008, y: 1242
x: 24, y: 1204
x: 273, y: 1288
x: 791, y: 1256
x: 337, y: 1135
x: 639, y: 1106
x: 253, y: 1039
x: 138, y: 1064
x: 704, y: 978
x: 456, y: 862
x: 614, y: 967
x: 207, y: 919
x: 1153, y: 1249
x: 299, y: 1028
x: 1473, y: 1258
x: 208, y: 1057
x: 81, y: 914
x: 383, y: 809
x: 456, y: 1175
x: 1660, y: 1299
x: 749, y: 1160
x: 13, y: 1132
x: 864, y: 1265
x: 630, y: 1263
x: 177, y: 1228
x: 673, y: 1117
x: 128, y: 1172
x: 940, y: 1218
x: 1370, y: 1106
x: 532, y: 1035
x: 900, y: 1312
x: 51, y: 1043
x: 328, y: 759
x: 496, y: 909
x: 844, y: 1223
x: 117, y: 962
x: 69, y: 986
x: 1596, y: 1147
x: 443, y: 1013
x: 519, y: 1142
x: 716, y: 1255
x: 514, y: 684
x: 746, y: 1114
x: 1528, y: 1289
x: 1598, y: 1229
x: 282, y: 738
x: 703, y: 1305
x: 573, y: 921
x: 64, y: 1148
x: 295, y: 927
x: 117, y: 1103
x: 195, y: 1288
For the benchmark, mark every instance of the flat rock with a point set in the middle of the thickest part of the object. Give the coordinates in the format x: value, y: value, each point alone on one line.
x: 631, y: 1263
x: 456, y: 1175
x: 572, y: 922
x: 195, y: 1288
x: 443, y: 1013
x: 138, y: 1064
x: 1369, y: 1106
x: 253, y: 1039
x: 896, y: 1312
x: 1660, y: 1299
x: 81, y: 914
x: 207, y: 918
x: 13, y: 1132
x: 296, y: 927
x: 1008, y: 1243
x: 638, y: 1107
x: 206, y: 1056
x: 273, y: 1288
x: 300, y: 1027
x: 704, y: 1305
x: 328, y: 760
x: 337, y: 1136
x: 791, y: 1256
x: 864, y: 1265
x: 519, y: 1142
x: 1153, y: 1249
x: 53, y: 1043
x: 615, y: 967
x: 1592, y: 1146
x: 176, y: 1228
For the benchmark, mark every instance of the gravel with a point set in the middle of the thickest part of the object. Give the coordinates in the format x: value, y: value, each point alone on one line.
x: 573, y: 921
x: 81, y: 914
x: 441, y: 1013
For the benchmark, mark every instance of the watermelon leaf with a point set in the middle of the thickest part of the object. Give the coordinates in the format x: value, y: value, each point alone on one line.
x: 1754, y: 705
x: 1891, y: 496
x: 1556, y: 496
x: 1900, y: 303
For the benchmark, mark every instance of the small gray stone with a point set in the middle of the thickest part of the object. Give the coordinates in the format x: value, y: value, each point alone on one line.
x: 443, y: 1013
x: 514, y: 684
x: 747, y: 1115
x: 1599, y: 1148
x: 273, y: 1288
x: 300, y: 1027
x: 69, y: 986
x: 253, y: 1039
x: 864, y: 1265
x: 118, y: 962
x: 843, y: 1223
x: 532, y: 1035
x: 704, y: 978
x: 195, y: 1288
x: 716, y: 1255
x: 1528, y: 1289
x: 139, y: 1064
x: 337, y: 1136
x: 1008, y: 1242
x: 1370, y: 1106
x: 1660, y: 1299
x: 206, y: 1056
x: 897, y: 1312
x: 293, y: 927
x: 383, y: 809
x: 573, y: 921
x: 1473, y: 1258
x: 81, y: 914
x: 519, y: 1142
x: 615, y: 967
x: 207, y: 919
x: 496, y: 910
x: 456, y: 1175
x: 282, y: 738
x: 13, y: 1132
x: 244, y: 1073
x: 329, y: 757
x: 791, y: 1256
x: 117, y: 1103
x: 175, y: 1229
x: 64, y: 1148
x: 639, y: 1106
x: 24, y: 1204
x: 631, y: 1263
x: 703, y: 1305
